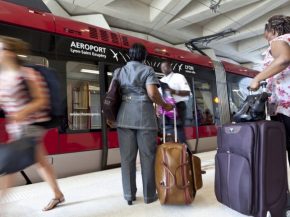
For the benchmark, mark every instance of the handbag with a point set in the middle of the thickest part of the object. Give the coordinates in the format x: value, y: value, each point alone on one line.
x: 168, y: 98
x: 17, y: 155
x: 169, y: 114
x: 252, y: 109
x: 112, y: 100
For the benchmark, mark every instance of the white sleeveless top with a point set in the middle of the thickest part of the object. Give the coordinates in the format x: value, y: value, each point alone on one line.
x: 279, y: 84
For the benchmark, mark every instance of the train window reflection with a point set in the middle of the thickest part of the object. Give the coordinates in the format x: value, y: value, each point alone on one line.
x: 38, y: 60
x: 237, y: 90
x: 83, y: 96
x: 204, y: 102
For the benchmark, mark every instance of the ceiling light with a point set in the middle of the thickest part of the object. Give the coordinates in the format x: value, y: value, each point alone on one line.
x: 90, y: 71
x: 24, y: 56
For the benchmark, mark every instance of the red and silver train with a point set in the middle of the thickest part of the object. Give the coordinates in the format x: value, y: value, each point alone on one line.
x: 85, y: 57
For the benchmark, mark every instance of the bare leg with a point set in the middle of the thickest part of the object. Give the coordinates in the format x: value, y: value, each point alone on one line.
x: 5, y: 183
x: 45, y: 170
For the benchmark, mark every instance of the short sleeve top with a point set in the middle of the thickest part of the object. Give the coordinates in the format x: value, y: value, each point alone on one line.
x: 134, y: 77
x: 279, y: 84
x: 177, y: 81
x: 136, y: 111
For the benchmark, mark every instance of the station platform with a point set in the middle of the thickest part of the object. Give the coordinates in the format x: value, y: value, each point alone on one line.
x: 99, y: 194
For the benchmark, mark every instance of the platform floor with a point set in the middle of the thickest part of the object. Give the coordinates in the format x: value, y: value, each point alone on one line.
x: 100, y: 195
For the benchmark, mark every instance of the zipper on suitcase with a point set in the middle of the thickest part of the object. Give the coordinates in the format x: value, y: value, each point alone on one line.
x: 228, y: 176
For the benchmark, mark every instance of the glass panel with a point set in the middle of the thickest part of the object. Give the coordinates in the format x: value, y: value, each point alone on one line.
x: 205, y: 91
x: 237, y: 90
x: 205, y: 94
x: 83, y: 96
x: 204, y: 102
x: 34, y: 60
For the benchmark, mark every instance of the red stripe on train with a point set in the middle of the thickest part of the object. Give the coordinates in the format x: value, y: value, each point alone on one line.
x: 56, y: 143
x: 203, y: 131
x: 78, y: 142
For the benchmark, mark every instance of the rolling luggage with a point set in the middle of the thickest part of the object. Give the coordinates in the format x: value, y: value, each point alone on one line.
x: 177, y: 171
x: 251, y: 169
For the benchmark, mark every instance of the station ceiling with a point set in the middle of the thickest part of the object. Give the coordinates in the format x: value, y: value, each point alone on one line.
x: 177, y: 21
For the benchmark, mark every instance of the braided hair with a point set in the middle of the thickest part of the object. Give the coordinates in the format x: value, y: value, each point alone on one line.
x: 279, y: 24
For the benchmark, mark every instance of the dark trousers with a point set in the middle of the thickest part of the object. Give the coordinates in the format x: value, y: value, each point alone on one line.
x: 130, y: 141
x: 286, y: 121
x: 181, y: 112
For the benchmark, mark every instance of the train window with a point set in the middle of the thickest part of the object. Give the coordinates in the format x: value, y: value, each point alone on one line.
x: 83, y: 96
x: 205, y: 92
x: 237, y: 90
x: 204, y: 104
x: 34, y: 60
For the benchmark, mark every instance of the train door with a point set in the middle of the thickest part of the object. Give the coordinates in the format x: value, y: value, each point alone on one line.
x: 192, y: 120
x: 201, y: 110
x: 110, y: 147
x: 81, y: 137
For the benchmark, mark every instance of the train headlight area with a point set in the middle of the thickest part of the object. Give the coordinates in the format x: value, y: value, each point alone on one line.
x: 216, y: 100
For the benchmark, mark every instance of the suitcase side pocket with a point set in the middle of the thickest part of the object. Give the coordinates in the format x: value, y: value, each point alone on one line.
x: 218, y: 180
x: 234, y: 186
x: 197, y: 172
x: 240, y: 184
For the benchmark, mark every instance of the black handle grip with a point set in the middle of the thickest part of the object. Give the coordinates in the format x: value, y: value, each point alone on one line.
x: 263, y: 84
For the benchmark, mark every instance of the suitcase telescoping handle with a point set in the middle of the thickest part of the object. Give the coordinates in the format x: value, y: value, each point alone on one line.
x: 164, y: 127
x: 264, y: 89
x: 263, y: 84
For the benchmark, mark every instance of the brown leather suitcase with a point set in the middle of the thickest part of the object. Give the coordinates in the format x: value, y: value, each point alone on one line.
x: 177, y: 172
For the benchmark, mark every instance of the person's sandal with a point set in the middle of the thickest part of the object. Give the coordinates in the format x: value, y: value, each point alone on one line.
x: 54, y: 203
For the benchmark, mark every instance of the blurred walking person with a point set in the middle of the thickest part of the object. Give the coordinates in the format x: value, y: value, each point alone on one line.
x: 24, y: 97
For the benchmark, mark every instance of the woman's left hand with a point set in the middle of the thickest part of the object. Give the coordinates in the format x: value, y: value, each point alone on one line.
x: 255, y: 85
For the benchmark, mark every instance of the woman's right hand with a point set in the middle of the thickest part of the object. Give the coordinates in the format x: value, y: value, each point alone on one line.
x: 255, y: 85
x: 168, y: 107
x: 111, y: 124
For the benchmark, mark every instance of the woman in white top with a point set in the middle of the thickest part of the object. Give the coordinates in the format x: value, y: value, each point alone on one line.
x: 277, y: 71
x: 23, y: 108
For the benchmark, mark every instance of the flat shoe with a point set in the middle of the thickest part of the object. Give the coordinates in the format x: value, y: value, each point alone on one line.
x: 53, y: 203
